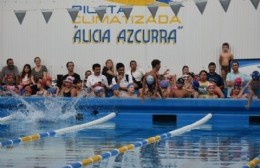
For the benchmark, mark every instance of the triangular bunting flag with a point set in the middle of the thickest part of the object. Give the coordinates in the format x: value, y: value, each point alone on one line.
x: 255, y: 3
x: 20, y: 14
x: 225, y: 4
x: 201, y: 4
x: 73, y: 13
x: 153, y: 9
x: 47, y: 14
x: 101, y: 11
x: 127, y: 10
x: 175, y: 6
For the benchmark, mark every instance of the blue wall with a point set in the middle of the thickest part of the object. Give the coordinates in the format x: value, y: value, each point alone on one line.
x: 134, y: 111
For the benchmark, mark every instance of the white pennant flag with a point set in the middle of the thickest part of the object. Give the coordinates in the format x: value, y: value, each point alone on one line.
x: 225, y: 4
x: 47, y: 14
x: 20, y: 14
x: 127, y: 10
x: 153, y: 9
x: 101, y: 11
x: 73, y: 13
x: 175, y: 6
x: 255, y: 3
x: 201, y: 4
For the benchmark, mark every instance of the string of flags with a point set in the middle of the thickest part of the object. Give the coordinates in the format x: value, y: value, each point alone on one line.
x: 153, y: 8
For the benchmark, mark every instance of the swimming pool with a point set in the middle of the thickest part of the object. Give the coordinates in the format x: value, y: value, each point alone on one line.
x: 225, y: 145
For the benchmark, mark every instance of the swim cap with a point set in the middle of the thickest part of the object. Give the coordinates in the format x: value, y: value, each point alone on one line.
x: 255, y: 75
x: 180, y: 81
x: 149, y: 80
x: 129, y: 85
x: 98, y: 89
x: 51, y: 90
x: 164, y: 84
x: 115, y: 87
x: 238, y: 82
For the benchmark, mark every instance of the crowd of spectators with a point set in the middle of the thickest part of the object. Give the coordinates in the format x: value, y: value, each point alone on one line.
x: 114, y: 81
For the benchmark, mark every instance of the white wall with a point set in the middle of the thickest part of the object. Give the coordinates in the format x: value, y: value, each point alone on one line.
x: 199, y: 42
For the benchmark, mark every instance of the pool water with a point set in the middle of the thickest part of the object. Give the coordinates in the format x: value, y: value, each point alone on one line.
x: 201, y: 148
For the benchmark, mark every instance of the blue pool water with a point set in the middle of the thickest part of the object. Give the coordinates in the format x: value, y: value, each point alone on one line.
x: 206, y: 147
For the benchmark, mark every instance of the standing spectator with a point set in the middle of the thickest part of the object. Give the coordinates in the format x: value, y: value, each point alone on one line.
x: 213, y: 75
x: 231, y: 76
x: 137, y: 74
x: 39, y: 71
x: 97, y: 79
x: 12, y: 70
x: 224, y: 58
x: 70, y: 68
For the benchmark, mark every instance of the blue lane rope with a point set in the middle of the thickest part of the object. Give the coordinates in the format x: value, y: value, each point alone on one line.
x: 53, y: 133
x: 116, y: 151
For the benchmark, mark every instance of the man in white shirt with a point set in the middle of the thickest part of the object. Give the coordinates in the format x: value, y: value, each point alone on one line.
x: 137, y: 74
x: 122, y: 79
x: 231, y: 76
x: 97, y: 79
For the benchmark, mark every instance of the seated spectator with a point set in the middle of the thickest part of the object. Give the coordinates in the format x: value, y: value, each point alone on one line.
x: 67, y: 89
x: 99, y: 91
x: 87, y: 74
x: 116, y: 92
x: 39, y: 71
x: 122, y: 79
x: 26, y: 77
x: 211, y: 91
x: 231, y: 76
x: 166, y: 90
x: 97, y: 79
x: 203, y: 84
x: 217, y: 89
x: 108, y: 71
x: 41, y: 88
x: 213, y: 75
x: 195, y: 87
x: 10, y: 86
x: 185, y: 70
x: 27, y: 91
x: 236, y: 92
x: 70, y: 68
x: 10, y: 69
x: 137, y: 74
x: 78, y: 87
x: 179, y: 92
x: 130, y: 91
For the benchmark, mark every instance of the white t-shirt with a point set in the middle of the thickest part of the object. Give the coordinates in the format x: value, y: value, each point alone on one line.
x: 123, y: 82
x: 231, y: 77
x: 138, y: 74
x: 92, y: 79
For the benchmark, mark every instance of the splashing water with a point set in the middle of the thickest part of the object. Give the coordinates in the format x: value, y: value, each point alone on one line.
x: 54, y: 109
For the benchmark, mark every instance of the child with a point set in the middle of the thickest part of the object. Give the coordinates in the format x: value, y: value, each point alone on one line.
x: 254, y: 88
x: 224, y: 58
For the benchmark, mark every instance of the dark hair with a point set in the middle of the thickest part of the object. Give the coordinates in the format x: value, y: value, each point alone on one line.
x: 235, y: 61
x: 203, y: 71
x: 88, y: 71
x: 185, y: 66
x: 69, y: 63
x: 119, y: 65
x: 211, y: 63
x: 9, y: 59
x: 37, y: 58
x: 132, y: 61
x: 155, y: 62
x: 30, y: 70
x: 225, y: 44
x: 95, y: 66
